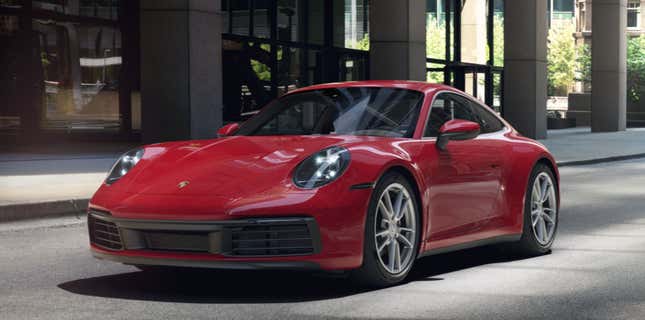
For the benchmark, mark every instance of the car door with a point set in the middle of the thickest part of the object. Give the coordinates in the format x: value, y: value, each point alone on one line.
x: 465, y: 178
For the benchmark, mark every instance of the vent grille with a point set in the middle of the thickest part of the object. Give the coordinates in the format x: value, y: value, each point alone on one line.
x: 104, y: 233
x: 272, y: 240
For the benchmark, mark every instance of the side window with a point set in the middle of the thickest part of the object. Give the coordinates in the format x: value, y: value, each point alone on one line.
x: 446, y: 107
x: 440, y: 113
x: 464, y: 109
x: 488, y: 122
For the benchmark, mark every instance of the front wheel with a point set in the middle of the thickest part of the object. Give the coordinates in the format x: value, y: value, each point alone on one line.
x: 391, y: 233
x: 540, y: 212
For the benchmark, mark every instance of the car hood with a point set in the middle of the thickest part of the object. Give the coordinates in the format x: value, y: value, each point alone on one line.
x: 237, y: 165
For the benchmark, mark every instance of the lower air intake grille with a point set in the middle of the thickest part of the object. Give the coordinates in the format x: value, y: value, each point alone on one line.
x: 104, y: 234
x: 272, y: 240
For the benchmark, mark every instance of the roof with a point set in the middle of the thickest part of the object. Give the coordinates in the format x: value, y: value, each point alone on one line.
x: 402, y: 84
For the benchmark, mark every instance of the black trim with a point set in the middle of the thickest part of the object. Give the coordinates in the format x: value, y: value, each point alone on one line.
x: 231, y: 265
x: 361, y: 186
x: 444, y: 138
x: 131, y: 231
x: 473, y: 244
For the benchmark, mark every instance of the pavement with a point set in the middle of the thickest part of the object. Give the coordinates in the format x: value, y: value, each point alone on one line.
x: 595, y: 271
x: 54, y: 180
x: 578, y: 146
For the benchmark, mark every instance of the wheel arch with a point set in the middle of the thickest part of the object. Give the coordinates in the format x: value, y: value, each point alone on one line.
x: 550, y: 163
x: 410, y: 176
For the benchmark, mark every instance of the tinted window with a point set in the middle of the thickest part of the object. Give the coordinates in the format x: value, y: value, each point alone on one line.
x: 448, y: 106
x: 487, y: 121
x: 344, y: 111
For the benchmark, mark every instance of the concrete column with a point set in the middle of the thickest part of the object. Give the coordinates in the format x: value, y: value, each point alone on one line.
x: 609, y: 66
x: 181, y: 69
x: 397, y: 40
x: 525, y: 34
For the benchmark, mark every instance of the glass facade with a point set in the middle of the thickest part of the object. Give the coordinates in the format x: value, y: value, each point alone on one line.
x: 64, y: 66
x: 273, y: 47
x: 73, y: 65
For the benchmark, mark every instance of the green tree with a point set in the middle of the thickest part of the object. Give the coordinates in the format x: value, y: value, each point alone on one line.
x: 363, y: 44
x: 498, y: 39
x: 583, y: 64
x: 435, y: 45
x: 561, y: 58
x: 636, y: 68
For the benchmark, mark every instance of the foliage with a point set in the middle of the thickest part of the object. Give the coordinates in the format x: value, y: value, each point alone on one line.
x: 561, y: 56
x: 363, y: 44
x: 636, y: 68
x: 262, y: 70
x: 583, y: 64
x: 435, y: 44
x: 498, y: 39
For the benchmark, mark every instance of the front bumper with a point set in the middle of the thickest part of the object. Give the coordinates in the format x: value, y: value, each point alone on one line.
x: 259, y: 243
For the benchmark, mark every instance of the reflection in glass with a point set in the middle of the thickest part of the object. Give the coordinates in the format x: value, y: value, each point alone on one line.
x: 246, y: 68
x: 11, y: 74
x: 314, y: 72
x: 370, y: 111
x: 104, y: 9
x: 10, y: 3
x: 81, y: 66
x: 240, y: 17
x: 352, y: 67
x: 261, y: 18
x: 316, y: 18
x: 288, y: 21
x: 289, y: 73
x: 351, y: 25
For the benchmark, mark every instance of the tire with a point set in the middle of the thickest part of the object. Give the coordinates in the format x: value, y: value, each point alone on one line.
x: 532, y: 242
x: 378, y: 270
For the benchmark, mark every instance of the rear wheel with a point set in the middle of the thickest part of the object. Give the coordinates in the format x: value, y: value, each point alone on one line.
x: 391, y: 233
x: 540, y: 212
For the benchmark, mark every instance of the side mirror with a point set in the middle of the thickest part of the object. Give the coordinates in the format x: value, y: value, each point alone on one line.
x: 457, y: 129
x: 228, y: 129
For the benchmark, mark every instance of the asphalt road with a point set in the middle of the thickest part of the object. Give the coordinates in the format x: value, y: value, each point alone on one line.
x: 596, y: 271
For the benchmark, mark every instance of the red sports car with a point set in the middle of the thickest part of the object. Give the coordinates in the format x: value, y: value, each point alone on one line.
x: 363, y: 176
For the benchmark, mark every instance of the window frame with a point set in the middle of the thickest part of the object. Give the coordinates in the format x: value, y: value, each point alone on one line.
x: 634, y: 6
x: 475, y: 101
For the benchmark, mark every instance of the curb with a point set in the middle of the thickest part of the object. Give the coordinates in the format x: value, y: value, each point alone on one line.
x: 600, y: 160
x: 49, y: 209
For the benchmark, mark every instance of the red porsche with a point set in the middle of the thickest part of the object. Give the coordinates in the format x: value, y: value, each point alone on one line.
x: 365, y: 177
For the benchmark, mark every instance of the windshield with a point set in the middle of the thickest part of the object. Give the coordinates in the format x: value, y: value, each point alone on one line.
x: 370, y: 111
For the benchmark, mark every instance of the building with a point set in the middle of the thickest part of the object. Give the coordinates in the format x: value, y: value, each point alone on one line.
x: 583, y: 14
x: 152, y: 70
x: 580, y: 101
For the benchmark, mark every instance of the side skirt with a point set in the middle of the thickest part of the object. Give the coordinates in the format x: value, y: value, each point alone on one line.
x: 473, y: 244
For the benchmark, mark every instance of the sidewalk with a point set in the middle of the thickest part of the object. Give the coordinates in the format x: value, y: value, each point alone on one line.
x: 58, y: 182
x: 54, y: 180
x: 577, y: 146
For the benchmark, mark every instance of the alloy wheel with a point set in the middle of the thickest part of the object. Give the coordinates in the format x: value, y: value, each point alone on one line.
x: 395, y: 229
x: 543, y: 208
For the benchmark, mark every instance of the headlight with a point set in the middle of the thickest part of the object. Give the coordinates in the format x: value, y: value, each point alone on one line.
x: 123, y: 165
x: 321, y: 168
